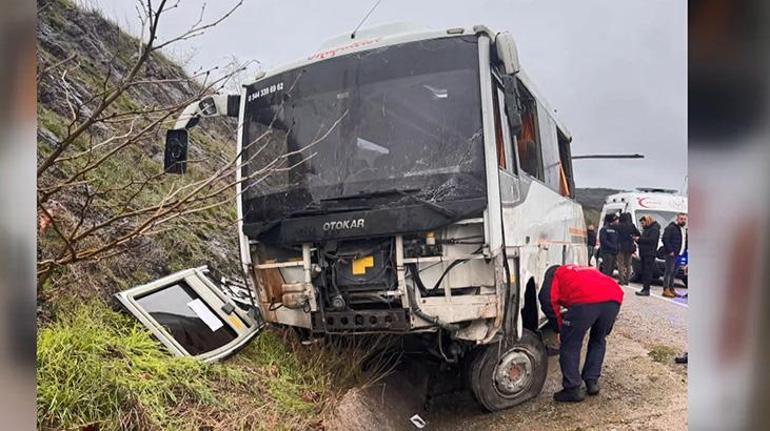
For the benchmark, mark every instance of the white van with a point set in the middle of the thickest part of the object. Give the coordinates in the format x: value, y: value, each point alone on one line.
x: 662, y: 204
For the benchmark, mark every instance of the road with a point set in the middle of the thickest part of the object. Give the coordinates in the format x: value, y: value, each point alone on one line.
x: 641, y: 386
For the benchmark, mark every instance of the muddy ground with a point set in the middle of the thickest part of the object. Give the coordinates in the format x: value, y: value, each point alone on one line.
x: 641, y: 386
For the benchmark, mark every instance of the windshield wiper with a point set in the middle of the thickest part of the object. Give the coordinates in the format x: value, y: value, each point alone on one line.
x: 311, y: 208
x: 365, y: 194
x: 314, y: 209
x: 407, y: 193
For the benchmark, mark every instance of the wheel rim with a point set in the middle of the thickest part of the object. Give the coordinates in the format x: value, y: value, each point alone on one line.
x: 513, y: 373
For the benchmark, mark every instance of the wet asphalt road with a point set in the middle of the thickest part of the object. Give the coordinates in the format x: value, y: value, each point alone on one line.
x: 641, y: 386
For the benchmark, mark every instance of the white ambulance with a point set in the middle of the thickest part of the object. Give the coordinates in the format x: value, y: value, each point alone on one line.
x: 662, y: 204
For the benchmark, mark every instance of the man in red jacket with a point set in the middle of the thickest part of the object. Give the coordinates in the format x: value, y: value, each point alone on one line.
x: 592, y: 300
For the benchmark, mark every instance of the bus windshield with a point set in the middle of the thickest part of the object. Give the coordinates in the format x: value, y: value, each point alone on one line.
x: 402, y: 117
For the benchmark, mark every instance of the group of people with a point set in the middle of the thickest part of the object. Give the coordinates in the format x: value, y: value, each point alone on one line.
x: 619, y: 239
x: 592, y: 299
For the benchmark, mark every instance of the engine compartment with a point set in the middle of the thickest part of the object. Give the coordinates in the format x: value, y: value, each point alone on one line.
x: 422, y: 281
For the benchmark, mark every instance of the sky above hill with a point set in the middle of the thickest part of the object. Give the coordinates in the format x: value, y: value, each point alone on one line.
x: 616, y: 71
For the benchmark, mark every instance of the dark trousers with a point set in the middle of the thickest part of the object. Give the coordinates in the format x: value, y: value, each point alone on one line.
x: 608, y: 263
x: 599, y: 318
x: 624, y: 266
x: 646, y: 267
x: 670, y: 271
x: 590, y: 254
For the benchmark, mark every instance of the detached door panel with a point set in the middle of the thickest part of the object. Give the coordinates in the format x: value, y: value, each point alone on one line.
x: 190, y: 315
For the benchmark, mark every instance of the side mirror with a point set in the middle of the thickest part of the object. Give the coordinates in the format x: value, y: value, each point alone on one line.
x: 507, y: 53
x: 175, y: 156
x: 512, y: 104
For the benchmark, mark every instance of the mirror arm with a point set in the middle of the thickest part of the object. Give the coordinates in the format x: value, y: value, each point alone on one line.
x: 177, y: 140
x: 227, y: 105
x: 188, y: 118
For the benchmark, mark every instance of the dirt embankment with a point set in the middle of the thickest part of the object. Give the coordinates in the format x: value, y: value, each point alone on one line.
x: 642, y: 389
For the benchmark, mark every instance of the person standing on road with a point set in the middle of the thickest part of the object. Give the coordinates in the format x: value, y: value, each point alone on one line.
x: 648, y: 245
x: 608, y: 243
x: 591, y: 242
x: 593, y: 301
x: 627, y: 235
x: 674, y: 244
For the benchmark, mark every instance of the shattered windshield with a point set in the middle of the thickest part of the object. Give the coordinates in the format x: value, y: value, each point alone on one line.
x: 403, y: 117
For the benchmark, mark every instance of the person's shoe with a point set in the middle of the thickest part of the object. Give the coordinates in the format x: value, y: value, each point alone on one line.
x: 643, y: 292
x: 669, y: 293
x: 681, y: 359
x: 574, y: 395
x: 592, y: 387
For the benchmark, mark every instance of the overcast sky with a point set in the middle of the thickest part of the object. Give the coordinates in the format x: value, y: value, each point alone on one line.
x: 616, y: 71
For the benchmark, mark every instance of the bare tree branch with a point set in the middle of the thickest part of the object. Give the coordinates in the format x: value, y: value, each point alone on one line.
x: 105, y: 214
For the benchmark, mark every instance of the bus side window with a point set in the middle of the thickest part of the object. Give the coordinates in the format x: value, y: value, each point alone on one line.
x: 528, y: 145
x: 566, y: 176
x: 506, y: 132
x: 506, y: 156
x: 499, y: 140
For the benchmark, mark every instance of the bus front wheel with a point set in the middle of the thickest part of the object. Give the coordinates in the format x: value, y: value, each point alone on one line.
x: 500, y: 380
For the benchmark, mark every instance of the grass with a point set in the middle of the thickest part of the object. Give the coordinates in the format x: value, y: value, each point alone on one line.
x: 662, y: 354
x: 96, y: 367
x: 99, y: 369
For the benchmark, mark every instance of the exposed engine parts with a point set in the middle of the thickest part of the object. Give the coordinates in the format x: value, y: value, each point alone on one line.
x: 356, y: 273
x: 354, y: 285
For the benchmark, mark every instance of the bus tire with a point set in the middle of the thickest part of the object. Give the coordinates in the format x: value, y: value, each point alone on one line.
x: 502, y: 380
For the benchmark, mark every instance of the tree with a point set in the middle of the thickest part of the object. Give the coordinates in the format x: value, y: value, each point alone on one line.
x: 91, y: 206
x: 102, y: 191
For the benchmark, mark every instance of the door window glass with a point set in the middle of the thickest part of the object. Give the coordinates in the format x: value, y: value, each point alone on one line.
x: 187, y: 318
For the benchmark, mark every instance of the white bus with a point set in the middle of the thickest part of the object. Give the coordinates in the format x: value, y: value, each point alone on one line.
x: 419, y: 185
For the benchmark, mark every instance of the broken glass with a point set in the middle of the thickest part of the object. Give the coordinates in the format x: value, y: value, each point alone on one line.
x: 403, y: 117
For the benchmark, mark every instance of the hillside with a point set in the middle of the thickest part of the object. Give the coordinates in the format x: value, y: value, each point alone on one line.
x: 95, y: 51
x: 592, y: 200
x: 98, y: 369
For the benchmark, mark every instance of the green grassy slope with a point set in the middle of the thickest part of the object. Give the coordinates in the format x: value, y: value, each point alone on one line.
x: 100, y: 370
x: 101, y: 49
